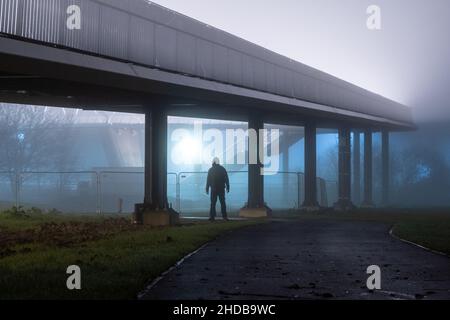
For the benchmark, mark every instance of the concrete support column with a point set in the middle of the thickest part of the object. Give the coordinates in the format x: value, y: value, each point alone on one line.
x: 356, y: 167
x: 255, y: 178
x: 155, y: 194
x: 310, y: 202
x: 285, y: 142
x: 385, y: 184
x: 155, y: 209
x: 255, y: 206
x: 368, y: 193
x: 344, y: 176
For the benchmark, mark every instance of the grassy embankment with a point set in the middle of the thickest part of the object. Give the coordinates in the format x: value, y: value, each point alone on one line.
x: 117, y: 259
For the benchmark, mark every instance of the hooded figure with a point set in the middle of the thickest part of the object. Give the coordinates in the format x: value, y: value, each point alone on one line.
x: 217, y: 181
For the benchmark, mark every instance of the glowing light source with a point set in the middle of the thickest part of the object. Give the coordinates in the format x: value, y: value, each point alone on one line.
x: 188, y: 151
x: 21, y: 136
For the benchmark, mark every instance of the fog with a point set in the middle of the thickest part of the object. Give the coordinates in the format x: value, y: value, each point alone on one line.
x: 86, y: 161
x: 407, y: 60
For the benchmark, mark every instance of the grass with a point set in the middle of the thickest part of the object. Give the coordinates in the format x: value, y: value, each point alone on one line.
x: 115, y: 267
x: 434, y: 234
x: 429, y: 228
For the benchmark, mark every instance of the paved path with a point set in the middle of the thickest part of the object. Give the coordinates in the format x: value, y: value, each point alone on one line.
x: 307, y: 260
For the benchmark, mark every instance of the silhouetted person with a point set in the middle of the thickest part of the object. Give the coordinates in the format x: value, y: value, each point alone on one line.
x: 218, y: 181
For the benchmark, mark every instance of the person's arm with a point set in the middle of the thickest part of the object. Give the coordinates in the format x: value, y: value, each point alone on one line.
x: 208, y: 182
x: 227, y: 181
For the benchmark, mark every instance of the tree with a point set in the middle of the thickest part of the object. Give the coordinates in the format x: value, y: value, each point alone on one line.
x: 34, y: 138
x: 421, y: 176
x: 328, y: 163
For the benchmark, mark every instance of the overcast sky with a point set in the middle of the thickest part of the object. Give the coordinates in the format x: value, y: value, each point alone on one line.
x: 408, y: 60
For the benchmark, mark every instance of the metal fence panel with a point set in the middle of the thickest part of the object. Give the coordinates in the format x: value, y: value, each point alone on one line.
x: 332, y: 192
x: 173, y: 193
x: 281, y: 190
x: 195, y: 200
x: 120, y: 191
x: 192, y: 193
x: 8, y: 189
x: 70, y: 192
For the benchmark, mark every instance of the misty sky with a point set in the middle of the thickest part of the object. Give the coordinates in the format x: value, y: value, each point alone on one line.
x: 407, y: 61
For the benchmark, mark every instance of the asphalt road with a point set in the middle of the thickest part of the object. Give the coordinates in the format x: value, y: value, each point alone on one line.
x: 317, y: 259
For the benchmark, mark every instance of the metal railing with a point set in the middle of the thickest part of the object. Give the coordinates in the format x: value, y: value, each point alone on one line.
x: 68, y: 191
x: 118, y: 191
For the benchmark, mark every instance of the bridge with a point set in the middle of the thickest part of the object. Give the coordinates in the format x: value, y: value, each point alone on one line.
x: 136, y: 56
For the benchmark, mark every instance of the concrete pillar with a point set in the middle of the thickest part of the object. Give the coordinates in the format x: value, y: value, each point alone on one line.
x: 310, y: 202
x: 255, y: 206
x: 285, y: 142
x: 156, y: 160
x: 356, y: 167
x: 255, y: 178
x: 344, y: 168
x: 155, y: 209
x: 385, y: 184
x: 368, y: 201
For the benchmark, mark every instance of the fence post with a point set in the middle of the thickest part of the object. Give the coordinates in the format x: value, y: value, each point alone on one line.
x: 298, y: 191
x: 177, y: 192
x: 17, y: 176
x: 323, y: 193
x: 98, y: 209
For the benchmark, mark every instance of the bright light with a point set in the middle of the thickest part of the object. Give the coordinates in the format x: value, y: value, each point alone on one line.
x: 21, y: 136
x: 188, y: 151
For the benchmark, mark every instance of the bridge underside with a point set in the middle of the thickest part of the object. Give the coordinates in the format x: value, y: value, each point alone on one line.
x: 45, y: 75
x: 41, y: 75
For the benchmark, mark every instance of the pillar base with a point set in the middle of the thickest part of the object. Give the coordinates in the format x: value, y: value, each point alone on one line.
x: 367, y: 205
x: 311, y: 206
x: 344, y: 205
x: 155, y: 217
x: 252, y: 213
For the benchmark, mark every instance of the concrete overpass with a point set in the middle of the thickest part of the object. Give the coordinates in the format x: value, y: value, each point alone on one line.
x: 135, y: 56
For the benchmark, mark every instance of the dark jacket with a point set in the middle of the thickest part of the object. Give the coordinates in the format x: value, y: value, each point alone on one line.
x: 217, y: 179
